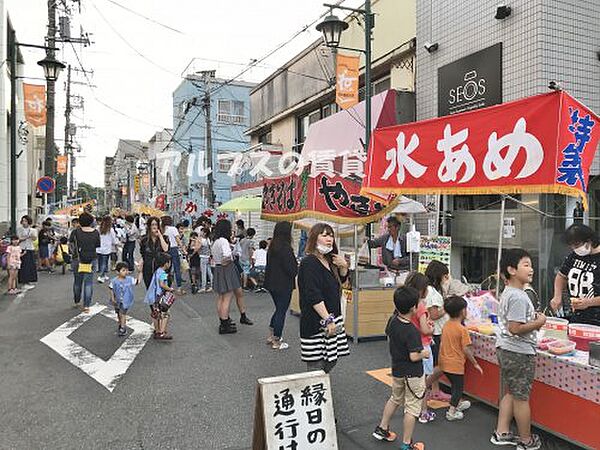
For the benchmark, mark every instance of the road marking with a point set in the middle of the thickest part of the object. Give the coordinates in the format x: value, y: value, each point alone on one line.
x: 107, y: 373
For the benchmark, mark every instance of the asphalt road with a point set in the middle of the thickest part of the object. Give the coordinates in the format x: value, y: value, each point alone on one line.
x: 196, y: 392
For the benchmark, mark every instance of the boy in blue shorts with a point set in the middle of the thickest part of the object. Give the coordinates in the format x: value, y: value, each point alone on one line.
x: 122, y: 294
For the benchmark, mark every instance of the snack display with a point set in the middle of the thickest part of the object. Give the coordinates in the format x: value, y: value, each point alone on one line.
x: 556, y: 328
x: 544, y: 342
x: 561, y: 347
x: 583, y: 334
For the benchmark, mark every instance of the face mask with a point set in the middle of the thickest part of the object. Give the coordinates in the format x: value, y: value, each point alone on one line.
x: 583, y: 250
x: 324, y: 249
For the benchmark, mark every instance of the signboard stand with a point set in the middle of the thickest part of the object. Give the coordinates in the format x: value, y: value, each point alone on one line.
x: 295, y: 412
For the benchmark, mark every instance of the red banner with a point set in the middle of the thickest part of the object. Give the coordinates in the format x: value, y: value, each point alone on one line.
x: 329, y: 198
x: 35, y: 104
x: 540, y: 144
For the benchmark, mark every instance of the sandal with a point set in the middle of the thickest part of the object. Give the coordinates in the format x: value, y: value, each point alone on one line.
x: 279, y: 345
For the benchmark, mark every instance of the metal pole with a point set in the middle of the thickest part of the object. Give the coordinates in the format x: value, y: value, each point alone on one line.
x: 500, y: 242
x: 13, y: 134
x: 355, y: 288
x: 368, y: 32
x: 50, y: 91
x: 68, y: 148
x: 209, y: 155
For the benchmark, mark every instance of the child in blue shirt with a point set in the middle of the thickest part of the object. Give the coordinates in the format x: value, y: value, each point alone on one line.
x: 158, y: 286
x: 121, y: 294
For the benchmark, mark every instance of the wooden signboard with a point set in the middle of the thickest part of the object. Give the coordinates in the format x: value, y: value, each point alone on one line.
x: 294, y: 412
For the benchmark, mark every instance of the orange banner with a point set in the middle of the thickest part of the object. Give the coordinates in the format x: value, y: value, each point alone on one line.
x: 35, y: 104
x: 346, y: 86
x: 61, y: 164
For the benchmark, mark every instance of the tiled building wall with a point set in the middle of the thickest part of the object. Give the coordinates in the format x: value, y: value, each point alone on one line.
x: 542, y: 40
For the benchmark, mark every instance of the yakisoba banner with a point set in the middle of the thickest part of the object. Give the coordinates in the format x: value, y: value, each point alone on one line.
x: 326, y: 197
x: 35, y: 104
x: 540, y: 144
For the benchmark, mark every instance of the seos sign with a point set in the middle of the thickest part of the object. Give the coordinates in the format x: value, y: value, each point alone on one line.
x: 472, y: 82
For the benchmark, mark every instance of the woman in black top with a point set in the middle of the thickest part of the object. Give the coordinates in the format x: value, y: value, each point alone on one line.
x: 322, y: 336
x: 151, y: 246
x: 280, y: 280
x: 84, y: 240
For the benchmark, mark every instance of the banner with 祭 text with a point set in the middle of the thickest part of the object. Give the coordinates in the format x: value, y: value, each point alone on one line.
x: 346, y: 87
x: 332, y: 198
x: 35, y: 104
x: 540, y: 144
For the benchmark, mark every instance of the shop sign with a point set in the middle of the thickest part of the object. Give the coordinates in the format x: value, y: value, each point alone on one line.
x: 294, y: 412
x: 540, y: 144
x: 323, y: 196
x: 472, y: 82
x: 434, y: 248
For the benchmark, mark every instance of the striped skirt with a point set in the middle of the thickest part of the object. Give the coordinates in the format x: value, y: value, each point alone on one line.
x: 319, y: 346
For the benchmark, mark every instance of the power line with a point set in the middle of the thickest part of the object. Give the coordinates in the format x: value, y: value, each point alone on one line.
x: 149, y: 19
x: 140, y: 54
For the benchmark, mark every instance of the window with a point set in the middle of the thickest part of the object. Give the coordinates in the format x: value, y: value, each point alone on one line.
x: 231, y: 111
x: 225, y: 164
x: 265, y: 138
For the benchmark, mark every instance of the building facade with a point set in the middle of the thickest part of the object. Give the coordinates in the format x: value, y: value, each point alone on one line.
x: 512, y: 56
x: 123, y: 173
x: 203, y: 102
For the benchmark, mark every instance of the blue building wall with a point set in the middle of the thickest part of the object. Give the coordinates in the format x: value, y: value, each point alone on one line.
x: 189, y: 123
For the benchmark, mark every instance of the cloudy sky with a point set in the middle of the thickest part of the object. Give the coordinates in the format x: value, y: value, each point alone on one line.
x: 137, y: 61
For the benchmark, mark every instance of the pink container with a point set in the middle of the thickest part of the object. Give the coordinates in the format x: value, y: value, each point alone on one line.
x: 561, y: 347
x: 583, y: 334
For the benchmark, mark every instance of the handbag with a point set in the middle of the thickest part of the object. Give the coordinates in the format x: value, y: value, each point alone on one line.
x: 165, y: 300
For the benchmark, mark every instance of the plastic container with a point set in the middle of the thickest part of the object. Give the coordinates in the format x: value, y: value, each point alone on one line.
x: 561, y: 347
x: 583, y: 334
x: 556, y: 328
x: 486, y: 328
x: 544, y: 342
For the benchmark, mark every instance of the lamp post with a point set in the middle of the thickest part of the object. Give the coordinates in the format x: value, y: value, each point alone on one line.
x: 52, y: 68
x: 332, y: 28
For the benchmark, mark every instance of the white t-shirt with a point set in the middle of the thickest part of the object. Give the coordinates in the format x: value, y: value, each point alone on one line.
x: 172, y: 233
x: 221, y: 249
x: 434, y: 298
x: 107, y: 242
x: 29, y: 234
x: 260, y: 257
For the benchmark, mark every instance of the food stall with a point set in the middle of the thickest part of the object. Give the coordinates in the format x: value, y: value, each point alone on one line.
x: 565, y: 399
x: 540, y: 144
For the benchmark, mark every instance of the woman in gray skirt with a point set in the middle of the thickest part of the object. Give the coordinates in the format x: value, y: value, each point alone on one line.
x: 226, y: 278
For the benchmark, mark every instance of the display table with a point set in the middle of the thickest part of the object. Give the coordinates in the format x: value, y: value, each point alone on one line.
x: 375, y: 306
x: 565, y: 399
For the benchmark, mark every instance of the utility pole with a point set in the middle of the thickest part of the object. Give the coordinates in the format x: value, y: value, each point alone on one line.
x: 50, y: 93
x: 207, y: 76
x: 68, y: 147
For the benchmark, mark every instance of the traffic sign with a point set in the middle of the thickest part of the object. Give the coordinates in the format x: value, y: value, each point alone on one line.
x: 46, y: 185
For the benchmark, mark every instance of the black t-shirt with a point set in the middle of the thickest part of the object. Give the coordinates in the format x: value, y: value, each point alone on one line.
x: 316, y: 284
x: 44, y: 237
x: 86, y: 243
x: 404, y: 339
x: 583, y: 280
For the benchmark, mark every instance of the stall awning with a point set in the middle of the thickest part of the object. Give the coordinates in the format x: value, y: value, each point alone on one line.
x: 540, y: 144
x: 244, y: 203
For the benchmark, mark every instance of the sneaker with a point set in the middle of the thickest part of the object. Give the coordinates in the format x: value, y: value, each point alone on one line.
x: 440, y: 396
x: 279, y: 345
x: 504, y: 438
x: 426, y: 417
x: 384, y: 435
x: 100, y: 279
x: 463, y: 405
x: 410, y: 446
x: 534, y: 443
x: 76, y: 305
x: 456, y: 415
x: 245, y: 320
x: 28, y: 286
x: 122, y: 331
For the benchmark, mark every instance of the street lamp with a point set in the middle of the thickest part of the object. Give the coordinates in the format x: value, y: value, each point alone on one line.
x: 52, y: 68
x: 332, y: 28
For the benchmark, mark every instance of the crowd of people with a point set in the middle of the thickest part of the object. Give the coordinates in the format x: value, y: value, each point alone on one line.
x: 426, y: 333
